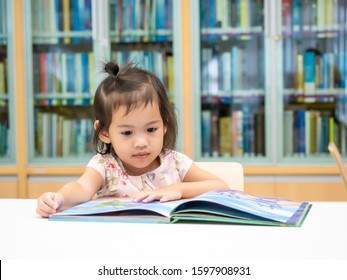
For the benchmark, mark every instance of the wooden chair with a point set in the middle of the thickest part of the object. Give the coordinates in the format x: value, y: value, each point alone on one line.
x: 230, y: 172
x: 338, y: 159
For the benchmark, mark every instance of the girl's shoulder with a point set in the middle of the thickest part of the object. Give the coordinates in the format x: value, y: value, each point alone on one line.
x: 175, y: 157
x: 175, y: 164
x: 107, y: 161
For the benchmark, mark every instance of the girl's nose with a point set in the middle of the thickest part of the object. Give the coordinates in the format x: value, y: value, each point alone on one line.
x: 141, y: 141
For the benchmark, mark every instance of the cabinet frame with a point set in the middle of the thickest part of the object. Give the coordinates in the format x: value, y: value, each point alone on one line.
x: 11, y: 90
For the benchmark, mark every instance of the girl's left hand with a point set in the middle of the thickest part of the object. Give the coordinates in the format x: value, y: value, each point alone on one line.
x: 162, y: 194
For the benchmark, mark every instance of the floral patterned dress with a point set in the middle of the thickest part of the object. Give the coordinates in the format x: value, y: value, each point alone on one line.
x: 117, y: 182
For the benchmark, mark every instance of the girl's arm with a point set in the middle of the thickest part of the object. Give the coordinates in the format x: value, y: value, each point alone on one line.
x: 196, y: 182
x: 70, y: 194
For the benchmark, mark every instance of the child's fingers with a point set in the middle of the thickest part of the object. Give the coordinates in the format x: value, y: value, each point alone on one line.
x: 140, y: 196
x: 44, y: 209
x: 146, y: 196
x: 48, y: 204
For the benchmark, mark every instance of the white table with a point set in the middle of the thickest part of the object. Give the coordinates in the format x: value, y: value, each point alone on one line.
x: 24, y: 235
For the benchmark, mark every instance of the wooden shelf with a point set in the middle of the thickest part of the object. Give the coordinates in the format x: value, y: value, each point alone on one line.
x: 291, y: 170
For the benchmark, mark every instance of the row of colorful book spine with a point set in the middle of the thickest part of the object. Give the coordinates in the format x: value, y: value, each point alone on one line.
x: 308, y: 133
x: 68, y: 77
x: 239, y: 134
x: 313, y: 15
x: 235, y: 69
x: 235, y: 13
x: 141, y: 21
x: 53, y: 16
x: 59, y: 136
x: 3, y: 22
x: 312, y: 70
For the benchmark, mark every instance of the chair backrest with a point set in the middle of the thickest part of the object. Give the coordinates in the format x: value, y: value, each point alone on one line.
x: 230, y: 172
x: 338, y: 159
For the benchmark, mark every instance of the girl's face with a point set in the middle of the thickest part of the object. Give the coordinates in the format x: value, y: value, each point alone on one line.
x: 137, y: 137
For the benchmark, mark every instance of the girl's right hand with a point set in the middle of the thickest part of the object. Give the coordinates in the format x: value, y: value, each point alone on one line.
x: 49, y: 203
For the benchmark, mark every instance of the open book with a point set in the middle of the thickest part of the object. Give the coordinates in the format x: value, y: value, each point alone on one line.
x: 227, y: 206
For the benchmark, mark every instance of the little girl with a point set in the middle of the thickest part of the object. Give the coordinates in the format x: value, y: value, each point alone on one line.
x: 135, y: 134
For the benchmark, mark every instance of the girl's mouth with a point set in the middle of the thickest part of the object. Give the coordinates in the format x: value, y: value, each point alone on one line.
x: 141, y: 155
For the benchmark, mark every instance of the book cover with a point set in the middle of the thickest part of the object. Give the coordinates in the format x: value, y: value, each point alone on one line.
x: 66, y: 19
x: 309, y: 72
x: 225, y: 138
x: 259, y: 134
x: 77, y: 24
x: 225, y: 206
x: 286, y: 11
x: 288, y: 132
x: 2, y: 78
x: 296, y: 15
x: 300, y: 73
x: 300, y: 124
x: 313, y: 131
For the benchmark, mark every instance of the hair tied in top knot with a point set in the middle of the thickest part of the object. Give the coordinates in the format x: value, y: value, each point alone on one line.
x: 112, y: 69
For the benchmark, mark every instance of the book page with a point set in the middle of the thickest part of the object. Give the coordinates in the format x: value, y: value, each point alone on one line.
x: 112, y: 205
x: 277, y: 209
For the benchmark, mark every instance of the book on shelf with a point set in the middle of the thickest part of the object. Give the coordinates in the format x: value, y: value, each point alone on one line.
x: 66, y: 15
x: 57, y: 135
x: 259, y: 134
x: 225, y: 136
x: 231, y: 15
x: 3, y: 19
x: 4, y: 138
x: 62, y: 74
x: 238, y: 134
x: 2, y: 79
x: 237, y: 127
x: 141, y: 21
x: 309, y: 72
x: 223, y: 207
x: 300, y: 72
x: 206, y: 132
x: 288, y: 132
x: 309, y: 132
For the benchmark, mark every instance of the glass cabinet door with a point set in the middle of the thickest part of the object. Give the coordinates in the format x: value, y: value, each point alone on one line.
x: 6, y: 90
x: 60, y: 79
x: 314, y: 78
x: 231, y: 101
x: 67, y: 42
x: 142, y: 32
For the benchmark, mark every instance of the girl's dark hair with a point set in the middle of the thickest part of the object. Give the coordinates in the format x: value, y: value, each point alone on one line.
x: 132, y: 87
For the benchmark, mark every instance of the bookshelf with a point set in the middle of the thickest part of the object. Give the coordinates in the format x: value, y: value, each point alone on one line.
x: 7, y: 152
x: 231, y: 102
x: 271, y: 106
x: 8, y: 126
x: 271, y: 85
x: 60, y: 64
x: 313, y: 80
x: 66, y: 44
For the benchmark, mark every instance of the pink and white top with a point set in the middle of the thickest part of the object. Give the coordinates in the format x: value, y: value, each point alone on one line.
x: 173, y: 168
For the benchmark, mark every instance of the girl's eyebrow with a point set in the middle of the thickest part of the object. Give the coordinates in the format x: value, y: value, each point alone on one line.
x: 147, y: 124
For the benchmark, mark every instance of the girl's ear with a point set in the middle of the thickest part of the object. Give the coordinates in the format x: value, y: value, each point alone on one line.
x: 103, y: 135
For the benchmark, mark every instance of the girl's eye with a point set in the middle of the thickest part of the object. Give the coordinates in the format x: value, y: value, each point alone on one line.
x: 152, y: 129
x: 126, y: 133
